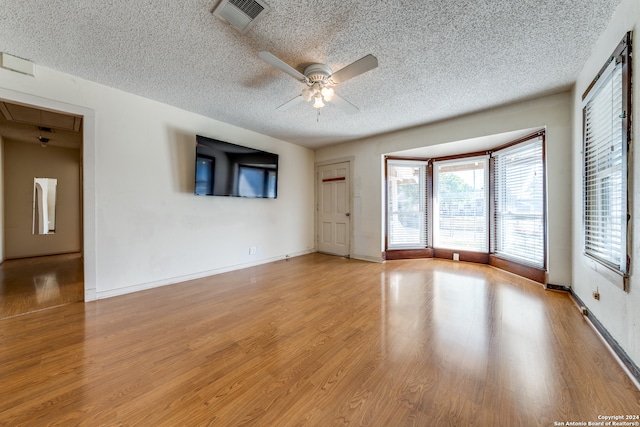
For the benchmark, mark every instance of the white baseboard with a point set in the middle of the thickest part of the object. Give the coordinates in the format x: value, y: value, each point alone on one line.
x: 367, y: 258
x: 173, y: 280
x: 90, y: 295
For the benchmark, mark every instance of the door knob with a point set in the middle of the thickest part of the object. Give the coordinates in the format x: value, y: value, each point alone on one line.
x: 348, y: 214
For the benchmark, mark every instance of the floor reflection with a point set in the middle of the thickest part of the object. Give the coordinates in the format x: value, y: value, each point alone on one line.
x: 32, y: 284
x: 478, y: 326
x: 522, y: 343
x: 404, y: 310
x: 47, y: 289
x: 460, y: 319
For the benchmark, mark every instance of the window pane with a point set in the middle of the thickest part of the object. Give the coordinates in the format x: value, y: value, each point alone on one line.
x: 406, y: 212
x: 519, y: 203
x: 605, y: 172
x: 460, y: 215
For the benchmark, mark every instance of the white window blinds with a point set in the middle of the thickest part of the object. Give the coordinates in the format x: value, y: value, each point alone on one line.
x: 518, y: 203
x: 605, y: 171
x: 460, y: 204
x: 406, y: 204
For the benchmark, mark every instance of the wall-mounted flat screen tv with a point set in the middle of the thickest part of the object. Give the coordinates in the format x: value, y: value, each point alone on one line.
x: 225, y: 169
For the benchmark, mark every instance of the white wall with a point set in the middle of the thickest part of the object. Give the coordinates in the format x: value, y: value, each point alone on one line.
x: 617, y: 310
x: 554, y: 112
x: 143, y: 227
x: 24, y: 162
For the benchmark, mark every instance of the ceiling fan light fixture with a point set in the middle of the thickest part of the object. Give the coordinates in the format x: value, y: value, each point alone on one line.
x: 307, y: 94
x: 327, y: 93
x: 317, y: 103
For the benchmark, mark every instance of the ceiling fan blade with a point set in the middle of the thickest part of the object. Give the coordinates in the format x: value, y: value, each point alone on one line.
x: 295, y: 101
x: 362, y: 65
x: 278, y: 63
x: 344, y: 105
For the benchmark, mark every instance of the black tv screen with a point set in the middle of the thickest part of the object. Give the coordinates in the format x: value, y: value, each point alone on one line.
x: 225, y: 169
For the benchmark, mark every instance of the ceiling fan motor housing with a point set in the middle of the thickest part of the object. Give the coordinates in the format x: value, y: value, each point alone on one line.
x: 317, y: 73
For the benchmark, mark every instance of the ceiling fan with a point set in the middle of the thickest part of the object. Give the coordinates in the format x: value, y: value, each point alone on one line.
x: 320, y: 81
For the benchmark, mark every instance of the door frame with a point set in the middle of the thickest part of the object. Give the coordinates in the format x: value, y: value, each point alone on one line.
x: 88, y: 172
x: 316, y: 225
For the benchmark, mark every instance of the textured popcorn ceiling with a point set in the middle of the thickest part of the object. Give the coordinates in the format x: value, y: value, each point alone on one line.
x: 437, y: 59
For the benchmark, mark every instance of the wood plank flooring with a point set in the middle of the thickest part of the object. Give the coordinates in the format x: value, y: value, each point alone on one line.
x: 32, y: 284
x: 316, y: 341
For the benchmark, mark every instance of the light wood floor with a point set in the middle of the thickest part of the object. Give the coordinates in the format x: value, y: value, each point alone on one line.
x: 32, y: 284
x: 317, y: 341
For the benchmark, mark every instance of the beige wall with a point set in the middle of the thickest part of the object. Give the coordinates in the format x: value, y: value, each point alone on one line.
x: 22, y: 163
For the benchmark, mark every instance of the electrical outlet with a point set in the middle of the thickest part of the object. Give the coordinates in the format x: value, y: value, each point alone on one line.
x: 456, y: 257
x: 253, y: 250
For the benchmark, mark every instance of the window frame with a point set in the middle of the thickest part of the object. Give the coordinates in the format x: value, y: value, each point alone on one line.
x: 435, y: 205
x: 495, y: 251
x: 424, y: 202
x: 623, y: 54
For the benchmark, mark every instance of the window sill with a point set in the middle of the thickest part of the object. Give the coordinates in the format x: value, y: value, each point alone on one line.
x: 615, y: 277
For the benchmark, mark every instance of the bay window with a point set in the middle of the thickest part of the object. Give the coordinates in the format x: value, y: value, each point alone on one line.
x: 484, y: 207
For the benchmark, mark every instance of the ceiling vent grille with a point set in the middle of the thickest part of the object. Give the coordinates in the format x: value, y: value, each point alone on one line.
x: 241, y: 14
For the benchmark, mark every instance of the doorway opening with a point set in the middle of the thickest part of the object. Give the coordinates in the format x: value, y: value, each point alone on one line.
x: 42, y: 266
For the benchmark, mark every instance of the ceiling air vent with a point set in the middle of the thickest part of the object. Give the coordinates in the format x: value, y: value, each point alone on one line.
x: 241, y: 14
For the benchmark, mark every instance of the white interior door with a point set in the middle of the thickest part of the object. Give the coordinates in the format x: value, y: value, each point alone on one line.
x: 334, y: 217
